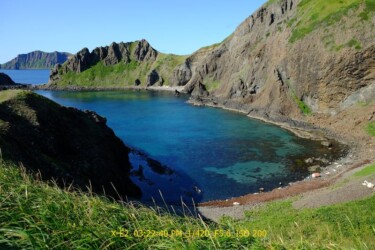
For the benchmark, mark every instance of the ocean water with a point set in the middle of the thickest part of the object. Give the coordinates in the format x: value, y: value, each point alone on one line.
x: 28, y: 76
x: 199, y: 153
x: 191, y: 153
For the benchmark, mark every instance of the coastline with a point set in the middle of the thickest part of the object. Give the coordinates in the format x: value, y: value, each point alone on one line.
x: 98, y: 88
x: 355, y: 158
x: 352, y: 160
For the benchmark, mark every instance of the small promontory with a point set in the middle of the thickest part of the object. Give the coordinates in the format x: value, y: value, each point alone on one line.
x: 5, y: 80
x: 66, y: 144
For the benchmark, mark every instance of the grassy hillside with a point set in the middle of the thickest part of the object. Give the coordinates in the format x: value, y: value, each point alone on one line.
x: 315, y: 14
x: 36, y: 215
x: 123, y: 74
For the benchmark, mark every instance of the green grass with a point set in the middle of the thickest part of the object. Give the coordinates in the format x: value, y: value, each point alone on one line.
x: 368, y: 11
x: 369, y: 170
x: 314, y: 14
x: 344, y: 226
x: 210, y: 83
x: 9, y: 94
x: 354, y: 43
x: 305, y: 109
x: 36, y: 215
x: 370, y: 128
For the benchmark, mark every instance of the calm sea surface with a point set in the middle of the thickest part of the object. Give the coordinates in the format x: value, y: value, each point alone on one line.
x: 29, y: 76
x: 199, y: 152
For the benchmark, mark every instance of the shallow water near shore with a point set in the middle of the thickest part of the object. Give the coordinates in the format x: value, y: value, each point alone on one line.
x: 200, y: 152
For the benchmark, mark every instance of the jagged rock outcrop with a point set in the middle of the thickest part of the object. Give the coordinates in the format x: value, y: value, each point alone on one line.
x: 63, y: 143
x: 144, y: 52
x: 5, y: 79
x: 110, y: 55
x: 182, y: 74
x: 153, y: 79
x: 139, y: 51
x: 36, y: 60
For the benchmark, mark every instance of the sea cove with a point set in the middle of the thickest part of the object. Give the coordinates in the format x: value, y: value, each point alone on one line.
x: 204, y: 153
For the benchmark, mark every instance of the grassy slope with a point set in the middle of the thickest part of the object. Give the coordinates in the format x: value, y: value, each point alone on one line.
x: 314, y: 14
x: 36, y: 215
x: 123, y: 74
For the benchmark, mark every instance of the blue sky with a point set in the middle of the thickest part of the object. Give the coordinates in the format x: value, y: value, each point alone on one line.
x: 178, y: 27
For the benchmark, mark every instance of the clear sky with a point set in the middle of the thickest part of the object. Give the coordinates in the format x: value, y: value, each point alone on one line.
x: 178, y: 27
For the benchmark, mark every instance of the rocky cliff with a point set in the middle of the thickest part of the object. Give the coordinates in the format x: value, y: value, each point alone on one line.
x: 66, y: 144
x: 120, y: 64
x: 36, y: 60
x: 289, y: 59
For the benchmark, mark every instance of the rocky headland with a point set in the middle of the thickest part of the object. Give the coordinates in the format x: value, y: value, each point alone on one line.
x: 36, y: 60
x: 7, y: 83
x: 6, y: 80
x: 66, y: 144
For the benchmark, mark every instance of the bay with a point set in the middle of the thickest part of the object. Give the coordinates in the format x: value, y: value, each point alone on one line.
x: 185, y: 152
x: 204, y: 153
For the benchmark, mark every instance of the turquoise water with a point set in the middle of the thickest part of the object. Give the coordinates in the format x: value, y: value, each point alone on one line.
x: 205, y: 153
x: 28, y: 76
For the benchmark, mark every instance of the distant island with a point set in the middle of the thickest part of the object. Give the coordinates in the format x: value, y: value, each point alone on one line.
x: 36, y: 60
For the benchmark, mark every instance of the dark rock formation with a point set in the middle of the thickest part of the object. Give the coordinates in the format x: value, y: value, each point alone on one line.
x: 6, y: 80
x: 137, y: 82
x: 36, y: 60
x: 65, y: 144
x: 144, y: 52
x: 153, y: 78
x: 181, y: 75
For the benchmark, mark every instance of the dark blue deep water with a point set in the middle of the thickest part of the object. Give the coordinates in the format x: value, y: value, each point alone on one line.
x: 204, y: 153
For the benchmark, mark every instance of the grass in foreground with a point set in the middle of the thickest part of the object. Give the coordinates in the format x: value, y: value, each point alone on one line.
x: 34, y: 215
x: 344, y: 226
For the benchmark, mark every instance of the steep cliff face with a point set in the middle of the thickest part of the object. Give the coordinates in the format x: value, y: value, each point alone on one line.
x: 36, y: 60
x: 291, y: 57
x: 66, y: 144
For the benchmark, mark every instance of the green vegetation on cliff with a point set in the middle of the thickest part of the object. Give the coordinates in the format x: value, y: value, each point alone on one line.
x: 314, y: 14
x: 122, y: 74
x: 36, y: 60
